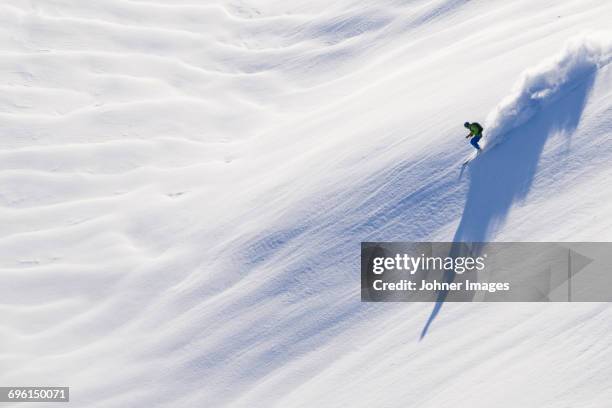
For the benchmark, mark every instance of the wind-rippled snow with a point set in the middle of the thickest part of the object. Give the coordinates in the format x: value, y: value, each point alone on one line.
x: 184, y: 186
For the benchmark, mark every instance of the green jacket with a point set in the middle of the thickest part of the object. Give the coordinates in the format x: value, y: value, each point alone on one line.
x: 475, y: 129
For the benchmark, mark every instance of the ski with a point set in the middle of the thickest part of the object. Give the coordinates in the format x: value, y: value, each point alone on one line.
x: 469, y: 159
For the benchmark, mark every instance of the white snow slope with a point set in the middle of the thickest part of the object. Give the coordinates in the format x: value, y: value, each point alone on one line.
x: 184, y: 186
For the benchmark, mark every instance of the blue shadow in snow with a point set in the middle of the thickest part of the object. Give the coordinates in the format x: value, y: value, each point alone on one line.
x: 505, y: 174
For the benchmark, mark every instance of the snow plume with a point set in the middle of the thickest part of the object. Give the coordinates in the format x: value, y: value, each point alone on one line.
x: 545, y: 83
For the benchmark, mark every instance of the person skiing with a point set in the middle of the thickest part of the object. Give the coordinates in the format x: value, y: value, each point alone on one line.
x: 475, y: 133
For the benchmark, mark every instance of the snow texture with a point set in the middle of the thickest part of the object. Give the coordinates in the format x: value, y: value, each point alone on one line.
x: 184, y: 187
x: 546, y: 83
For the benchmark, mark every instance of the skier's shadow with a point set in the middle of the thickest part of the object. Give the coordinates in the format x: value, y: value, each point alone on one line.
x: 505, y: 174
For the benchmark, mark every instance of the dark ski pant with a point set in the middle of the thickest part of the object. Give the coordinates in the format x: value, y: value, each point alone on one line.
x: 475, y: 140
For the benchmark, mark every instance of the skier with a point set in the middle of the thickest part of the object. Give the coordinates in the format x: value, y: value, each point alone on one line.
x: 475, y: 134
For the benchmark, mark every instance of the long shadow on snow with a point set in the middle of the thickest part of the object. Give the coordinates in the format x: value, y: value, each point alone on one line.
x: 505, y: 174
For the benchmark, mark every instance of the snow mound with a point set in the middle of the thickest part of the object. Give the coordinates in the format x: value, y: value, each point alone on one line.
x: 543, y: 84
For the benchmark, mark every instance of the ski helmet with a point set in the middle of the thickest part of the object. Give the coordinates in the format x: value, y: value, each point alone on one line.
x: 466, y: 124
